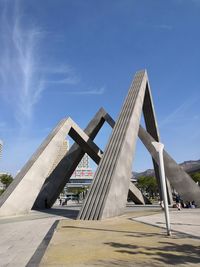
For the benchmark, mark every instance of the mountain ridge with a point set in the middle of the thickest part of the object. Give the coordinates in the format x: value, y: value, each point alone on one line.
x: 186, y: 165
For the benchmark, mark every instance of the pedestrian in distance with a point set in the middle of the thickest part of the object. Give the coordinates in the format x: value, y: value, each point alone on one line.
x: 178, y: 202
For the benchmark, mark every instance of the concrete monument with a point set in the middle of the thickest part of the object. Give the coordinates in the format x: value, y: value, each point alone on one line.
x: 108, y: 193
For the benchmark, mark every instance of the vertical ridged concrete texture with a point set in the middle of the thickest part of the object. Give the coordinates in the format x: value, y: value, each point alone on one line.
x: 55, y: 183
x: 108, y: 193
x: 21, y: 194
x: 177, y: 177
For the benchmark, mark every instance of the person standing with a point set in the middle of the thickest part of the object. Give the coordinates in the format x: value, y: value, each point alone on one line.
x: 178, y: 202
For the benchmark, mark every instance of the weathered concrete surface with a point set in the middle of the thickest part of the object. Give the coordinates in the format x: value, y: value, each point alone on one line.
x: 177, y: 177
x: 136, y: 195
x: 55, y: 183
x: 108, y: 192
x: 65, y: 167
x: 120, y: 241
x: 185, y: 221
x: 21, y: 194
x: 24, y: 239
x: 36, y: 170
x: 151, y: 127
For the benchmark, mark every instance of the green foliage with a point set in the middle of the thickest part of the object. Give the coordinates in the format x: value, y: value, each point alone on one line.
x: 76, y: 191
x: 148, y: 184
x: 6, y: 179
x: 1, y: 191
x: 196, y: 177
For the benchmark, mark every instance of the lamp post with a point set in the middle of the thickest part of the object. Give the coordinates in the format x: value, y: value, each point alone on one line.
x: 159, y: 148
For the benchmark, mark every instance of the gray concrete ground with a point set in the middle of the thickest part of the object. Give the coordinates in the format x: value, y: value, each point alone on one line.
x: 125, y: 241
x: 24, y: 238
x: 185, y: 221
x: 30, y: 240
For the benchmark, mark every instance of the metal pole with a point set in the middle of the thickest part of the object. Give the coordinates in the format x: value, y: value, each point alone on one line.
x: 159, y: 148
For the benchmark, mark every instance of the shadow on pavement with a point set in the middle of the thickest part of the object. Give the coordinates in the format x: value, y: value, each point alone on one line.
x: 67, y: 213
x: 37, y: 256
x: 132, y: 234
x: 166, y: 252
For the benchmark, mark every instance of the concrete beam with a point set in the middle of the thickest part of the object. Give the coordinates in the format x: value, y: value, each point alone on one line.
x: 177, y: 177
x: 32, y: 177
x: 56, y: 181
x: 108, y: 193
x: 83, y: 140
x: 136, y: 195
x: 21, y: 194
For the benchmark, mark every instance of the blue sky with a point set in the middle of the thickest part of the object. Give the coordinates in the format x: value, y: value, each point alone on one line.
x: 68, y: 58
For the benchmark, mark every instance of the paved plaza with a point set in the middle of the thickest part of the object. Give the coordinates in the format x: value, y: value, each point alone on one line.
x: 134, y: 239
x: 24, y: 239
x: 186, y: 221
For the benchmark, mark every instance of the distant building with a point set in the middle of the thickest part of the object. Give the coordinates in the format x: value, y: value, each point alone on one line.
x: 82, y: 176
x: 84, y: 163
x: 63, y: 150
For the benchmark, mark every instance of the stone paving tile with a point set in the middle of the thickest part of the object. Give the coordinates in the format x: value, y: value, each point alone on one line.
x: 21, y: 236
x: 186, y: 221
x: 114, y: 242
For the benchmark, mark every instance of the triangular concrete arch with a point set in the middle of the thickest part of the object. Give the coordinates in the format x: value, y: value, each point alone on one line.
x: 108, y: 192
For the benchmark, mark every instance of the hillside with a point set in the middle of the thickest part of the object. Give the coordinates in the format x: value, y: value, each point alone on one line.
x: 186, y: 165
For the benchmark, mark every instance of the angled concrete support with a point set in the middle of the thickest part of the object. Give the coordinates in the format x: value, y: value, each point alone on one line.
x: 32, y: 177
x: 136, y: 195
x: 21, y: 194
x: 108, y: 192
x: 177, y: 177
x: 151, y: 126
x: 56, y: 181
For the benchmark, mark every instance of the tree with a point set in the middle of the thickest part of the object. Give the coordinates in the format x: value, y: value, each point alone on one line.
x: 196, y: 177
x: 6, y: 179
x: 148, y: 184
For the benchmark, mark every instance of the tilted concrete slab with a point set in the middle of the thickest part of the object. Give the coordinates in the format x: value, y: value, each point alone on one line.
x: 136, y: 195
x: 108, y: 192
x: 109, y: 189
x: 21, y: 194
x: 56, y: 181
x: 177, y: 177
x: 32, y: 177
x: 152, y: 129
x: 61, y: 174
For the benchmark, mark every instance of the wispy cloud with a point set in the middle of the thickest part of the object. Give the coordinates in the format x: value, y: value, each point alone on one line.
x: 60, y: 74
x: 68, y: 80
x: 23, y: 77
x: 99, y: 91
x: 19, y: 78
x: 181, y: 113
x: 75, y: 91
